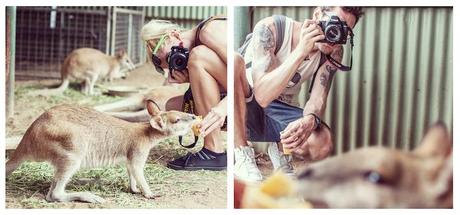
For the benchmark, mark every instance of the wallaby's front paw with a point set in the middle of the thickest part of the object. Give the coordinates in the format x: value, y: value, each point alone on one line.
x: 151, y: 195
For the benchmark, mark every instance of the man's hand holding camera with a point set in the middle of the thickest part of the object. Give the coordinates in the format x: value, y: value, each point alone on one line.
x: 309, y: 34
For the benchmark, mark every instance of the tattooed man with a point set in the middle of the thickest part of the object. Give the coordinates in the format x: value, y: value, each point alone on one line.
x: 267, y: 84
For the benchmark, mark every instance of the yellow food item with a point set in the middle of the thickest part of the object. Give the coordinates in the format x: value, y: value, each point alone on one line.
x: 287, y: 151
x: 195, y: 128
x: 277, y: 185
x: 276, y: 191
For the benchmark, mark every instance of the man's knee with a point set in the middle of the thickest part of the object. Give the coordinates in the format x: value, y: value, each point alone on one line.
x: 240, y: 81
x: 238, y: 65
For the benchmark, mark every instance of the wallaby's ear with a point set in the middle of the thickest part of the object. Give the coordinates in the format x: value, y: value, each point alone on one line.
x: 152, y: 107
x: 120, y: 53
x: 443, y: 186
x: 436, y: 142
x: 157, y: 122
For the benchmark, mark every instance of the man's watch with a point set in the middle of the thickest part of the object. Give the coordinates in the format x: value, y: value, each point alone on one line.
x: 317, y: 121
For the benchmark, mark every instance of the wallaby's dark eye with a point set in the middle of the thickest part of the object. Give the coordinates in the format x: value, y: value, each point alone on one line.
x: 374, y: 177
x: 176, y: 120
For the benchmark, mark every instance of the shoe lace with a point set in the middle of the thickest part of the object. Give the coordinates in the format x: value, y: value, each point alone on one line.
x: 249, y: 163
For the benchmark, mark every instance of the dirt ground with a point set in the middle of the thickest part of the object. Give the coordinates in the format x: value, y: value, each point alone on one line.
x: 27, y: 186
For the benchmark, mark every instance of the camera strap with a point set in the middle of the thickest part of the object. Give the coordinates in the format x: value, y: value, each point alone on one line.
x: 188, y: 146
x: 339, y: 65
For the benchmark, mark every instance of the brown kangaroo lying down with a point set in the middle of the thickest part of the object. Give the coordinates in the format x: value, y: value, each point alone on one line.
x: 72, y: 137
x: 87, y: 65
x: 132, y: 109
x: 378, y: 177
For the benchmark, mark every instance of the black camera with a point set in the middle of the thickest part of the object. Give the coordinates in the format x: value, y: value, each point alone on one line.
x: 178, y: 58
x: 335, y: 30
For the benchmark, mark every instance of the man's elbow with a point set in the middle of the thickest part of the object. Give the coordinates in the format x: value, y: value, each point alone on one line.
x: 262, y: 99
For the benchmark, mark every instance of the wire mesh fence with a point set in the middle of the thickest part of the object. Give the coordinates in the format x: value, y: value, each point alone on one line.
x: 45, y: 35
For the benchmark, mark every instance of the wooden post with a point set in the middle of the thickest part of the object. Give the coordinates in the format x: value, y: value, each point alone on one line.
x: 10, y: 59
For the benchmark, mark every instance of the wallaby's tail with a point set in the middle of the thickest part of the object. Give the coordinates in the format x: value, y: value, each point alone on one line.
x: 17, y: 158
x: 51, y: 92
x: 139, y: 116
x: 13, y: 164
x: 133, y: 103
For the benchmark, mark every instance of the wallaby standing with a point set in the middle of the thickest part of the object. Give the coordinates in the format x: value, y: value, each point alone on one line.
x: 71, y: 138
x: 87, y: 65
x: 378, y: 177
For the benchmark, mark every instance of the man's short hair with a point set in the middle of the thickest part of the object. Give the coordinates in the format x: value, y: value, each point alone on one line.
x: 355, y: 11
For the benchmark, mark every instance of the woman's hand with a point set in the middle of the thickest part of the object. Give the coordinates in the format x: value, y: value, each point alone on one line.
x: 214, y: 119
x: 180, y: 76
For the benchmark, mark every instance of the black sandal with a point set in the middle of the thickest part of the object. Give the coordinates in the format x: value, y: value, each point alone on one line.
x: 202, y: 160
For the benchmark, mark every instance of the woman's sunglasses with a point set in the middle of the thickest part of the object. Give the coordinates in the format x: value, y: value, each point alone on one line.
x: 155, y: 59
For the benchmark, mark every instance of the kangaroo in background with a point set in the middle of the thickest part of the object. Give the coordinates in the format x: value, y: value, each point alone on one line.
x: 378, y: 177
x: 87, y: 65
x: 132, y: 108
x: 71, y: 137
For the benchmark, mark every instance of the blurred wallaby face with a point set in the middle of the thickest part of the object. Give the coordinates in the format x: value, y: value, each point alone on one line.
x: 171, y: 122
x: 125, y: 62
x: 384, y: 178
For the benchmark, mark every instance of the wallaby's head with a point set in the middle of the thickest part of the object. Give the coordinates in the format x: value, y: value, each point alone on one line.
x: 378, y: 177
x: 169, y: 122
x: 125, y: 62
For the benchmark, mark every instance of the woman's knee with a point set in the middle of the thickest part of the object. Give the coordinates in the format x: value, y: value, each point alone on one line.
x: 201, y: 61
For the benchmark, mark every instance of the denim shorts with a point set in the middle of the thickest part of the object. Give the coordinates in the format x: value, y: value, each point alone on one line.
x: 265, y: 124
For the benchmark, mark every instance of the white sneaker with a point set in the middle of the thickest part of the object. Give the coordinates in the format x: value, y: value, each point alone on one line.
x: 245, y: 165
x: 279, y: 160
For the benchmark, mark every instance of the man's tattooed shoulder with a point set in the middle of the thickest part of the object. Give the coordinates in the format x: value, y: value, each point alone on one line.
x: 265, y: 35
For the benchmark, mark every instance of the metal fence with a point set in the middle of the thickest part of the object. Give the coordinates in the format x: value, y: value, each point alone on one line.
x: 126, y: 26
x: 186, y: 16
x: 45, y: 35
x: 401, y: 80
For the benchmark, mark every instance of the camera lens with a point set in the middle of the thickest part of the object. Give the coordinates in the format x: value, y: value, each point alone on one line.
x: 333, y: 33
x: 179, y: 61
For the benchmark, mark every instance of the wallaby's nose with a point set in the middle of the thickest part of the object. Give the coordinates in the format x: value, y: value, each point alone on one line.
x: 193, y: 117
x: 305, y: 174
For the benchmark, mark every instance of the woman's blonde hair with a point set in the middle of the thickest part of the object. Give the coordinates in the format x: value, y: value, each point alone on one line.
x: 154, y: 29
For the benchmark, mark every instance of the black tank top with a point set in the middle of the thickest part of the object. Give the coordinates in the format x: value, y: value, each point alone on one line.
x: 202, y: 24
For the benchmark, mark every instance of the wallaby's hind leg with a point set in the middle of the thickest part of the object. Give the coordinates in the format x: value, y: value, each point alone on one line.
x: 86, y: 86
x: 93, y: 80
x: 63, y: 172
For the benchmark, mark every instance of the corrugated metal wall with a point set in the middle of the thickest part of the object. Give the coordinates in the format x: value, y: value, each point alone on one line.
x: 401, y: 79
x: 185, y: 16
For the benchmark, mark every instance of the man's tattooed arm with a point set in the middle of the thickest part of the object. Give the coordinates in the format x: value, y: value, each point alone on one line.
x: 264, y: 46
x: 317, y: 102
x: 265, y: 37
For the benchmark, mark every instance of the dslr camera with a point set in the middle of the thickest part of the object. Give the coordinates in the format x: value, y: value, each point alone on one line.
x: 178, y: 58
x: 335, y: 30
